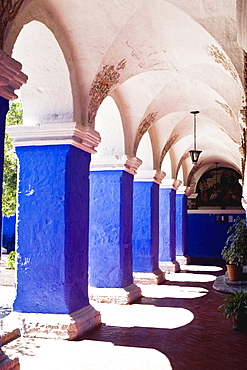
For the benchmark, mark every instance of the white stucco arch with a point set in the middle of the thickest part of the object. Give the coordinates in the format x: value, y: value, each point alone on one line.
x: 109, y: 124
x: 47, y: 96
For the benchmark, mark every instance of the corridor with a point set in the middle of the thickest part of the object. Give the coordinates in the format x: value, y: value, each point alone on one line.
x: 176, y: 326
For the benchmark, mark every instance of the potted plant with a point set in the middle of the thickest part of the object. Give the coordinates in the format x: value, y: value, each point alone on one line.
x: 235, y: 250
x: 235, y: 309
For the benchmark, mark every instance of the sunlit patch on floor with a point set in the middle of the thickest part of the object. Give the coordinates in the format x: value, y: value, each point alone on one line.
x: 93, y: 355
x: 200, y: 268
x: 148, y: 316
x: 172, y: 291
x: 184, y: 277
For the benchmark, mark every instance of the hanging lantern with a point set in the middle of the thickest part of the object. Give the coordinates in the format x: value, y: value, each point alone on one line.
x: 194, y: 153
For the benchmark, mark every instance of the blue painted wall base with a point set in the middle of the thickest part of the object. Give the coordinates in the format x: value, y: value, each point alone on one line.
x: 53, y: 219
x: 110, y: 237
x: 145, y: 227
x: 167, y: 225
x: 207, y: 233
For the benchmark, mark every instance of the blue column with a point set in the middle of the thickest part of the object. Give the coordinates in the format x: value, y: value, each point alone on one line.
x: 181, y: 224
x: 145, y: 227
x: 53, y: 219
x: 4, y: 106
x: 110, y: 236
x: 167, y: 224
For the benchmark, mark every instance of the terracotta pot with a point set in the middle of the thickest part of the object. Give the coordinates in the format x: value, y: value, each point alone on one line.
x: 234, y: 272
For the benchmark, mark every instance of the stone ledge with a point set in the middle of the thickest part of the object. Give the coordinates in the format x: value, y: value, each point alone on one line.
x: 54, y: 326
x: 126, y: 295
x: 145, y: 278
x: 222, y: 284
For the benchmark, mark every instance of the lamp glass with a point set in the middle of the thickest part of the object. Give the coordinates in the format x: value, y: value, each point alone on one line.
x: 195, y: 155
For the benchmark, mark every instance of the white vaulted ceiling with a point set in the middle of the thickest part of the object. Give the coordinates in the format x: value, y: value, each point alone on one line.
x: 157, y: 60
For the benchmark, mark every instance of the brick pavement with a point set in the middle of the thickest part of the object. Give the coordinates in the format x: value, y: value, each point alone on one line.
x: 176, y: 326
x: 208, y: 342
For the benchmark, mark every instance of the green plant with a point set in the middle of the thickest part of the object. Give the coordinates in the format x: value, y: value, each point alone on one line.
x: 235, y: 250
x: 234, y: 308
x: 14, y: 117
x: 11, y: 260
x: 234, y: 304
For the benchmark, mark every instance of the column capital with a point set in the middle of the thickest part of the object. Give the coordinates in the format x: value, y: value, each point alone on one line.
x: 189, y: 191
x: 11, y: 76
x: 132, y: 164
x: 121, y: 163
x: 171, y: 183
x: 149, y: 176
x: 182, y: 190
x: 82, y: 137
x: 159, y: 176
x: 193, y: 196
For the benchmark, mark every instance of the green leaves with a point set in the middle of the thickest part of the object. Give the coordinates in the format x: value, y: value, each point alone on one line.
x: 14, y: 117
x: 235, y: 250
x: 15, y: 114
x: 234, y: 304
x: 11, y: 260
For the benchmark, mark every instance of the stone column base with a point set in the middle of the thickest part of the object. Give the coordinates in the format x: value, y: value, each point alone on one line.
x: 156, y: 277
x: 125, y: 295
x: 169, y: 266
x: 7, y: 364
x: 54, y: 326
x: 183, y: 260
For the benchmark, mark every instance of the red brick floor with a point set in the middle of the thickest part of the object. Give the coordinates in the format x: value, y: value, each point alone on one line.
x: 207, y: 342
x: 173, y: 326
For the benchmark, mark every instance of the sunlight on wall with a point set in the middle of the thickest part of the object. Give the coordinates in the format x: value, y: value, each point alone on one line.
x: 145, y: 153
x: 166, y: 166
x: 109, y: 124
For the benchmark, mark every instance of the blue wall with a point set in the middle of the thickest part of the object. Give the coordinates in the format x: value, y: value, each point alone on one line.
x: 205, y: 236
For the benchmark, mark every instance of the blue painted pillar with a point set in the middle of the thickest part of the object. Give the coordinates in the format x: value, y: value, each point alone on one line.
x: 110, y: 236
x: 146, y: 230
x: 181, y: 226
x: 53, y: 219
x: 167, y: 228
x: 146, y: 227
x: 4, y: 106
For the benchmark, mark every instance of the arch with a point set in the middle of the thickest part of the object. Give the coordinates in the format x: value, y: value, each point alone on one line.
x: 145, y: 153
x: 34, y: 11
x: 47, y: 96
x: 109, y: 124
